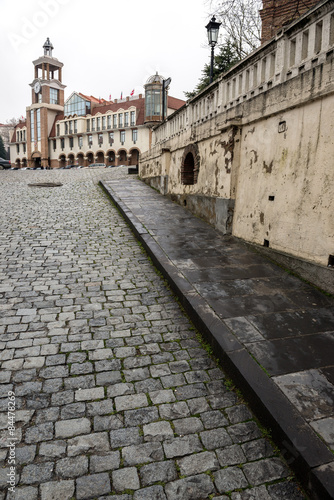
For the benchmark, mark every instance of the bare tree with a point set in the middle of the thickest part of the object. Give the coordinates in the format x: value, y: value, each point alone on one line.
x: 241, y: 23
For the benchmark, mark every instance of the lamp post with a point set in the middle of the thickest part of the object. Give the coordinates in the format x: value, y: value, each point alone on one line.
x: 212, y: 29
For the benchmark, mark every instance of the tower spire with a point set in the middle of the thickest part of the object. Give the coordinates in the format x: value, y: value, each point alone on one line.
x: 48, y: 47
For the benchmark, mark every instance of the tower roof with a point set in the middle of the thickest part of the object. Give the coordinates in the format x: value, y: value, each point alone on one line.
x: 48, y: 47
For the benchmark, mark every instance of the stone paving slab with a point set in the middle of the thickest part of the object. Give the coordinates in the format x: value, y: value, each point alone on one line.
x: 273, y: 333
x: 106, y: 389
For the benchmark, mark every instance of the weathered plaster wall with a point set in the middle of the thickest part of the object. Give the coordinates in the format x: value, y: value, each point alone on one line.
x: 289, y: 157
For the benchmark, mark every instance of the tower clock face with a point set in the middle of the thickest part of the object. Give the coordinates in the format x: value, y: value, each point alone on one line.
x: 37, y: 87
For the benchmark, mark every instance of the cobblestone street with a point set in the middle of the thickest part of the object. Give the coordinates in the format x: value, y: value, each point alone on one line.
x: 115, y: 395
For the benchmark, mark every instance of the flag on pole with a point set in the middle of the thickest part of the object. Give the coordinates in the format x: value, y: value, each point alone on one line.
x: 132, y: 92
x: 121, y: 95
x: 109, y: 97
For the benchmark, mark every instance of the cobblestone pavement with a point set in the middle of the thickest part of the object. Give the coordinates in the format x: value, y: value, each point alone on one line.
x: 115, y: 396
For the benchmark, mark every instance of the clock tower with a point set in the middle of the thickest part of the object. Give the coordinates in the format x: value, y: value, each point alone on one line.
x: 47, y: 100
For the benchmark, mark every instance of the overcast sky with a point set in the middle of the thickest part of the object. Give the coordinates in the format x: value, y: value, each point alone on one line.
x: 107, y: 46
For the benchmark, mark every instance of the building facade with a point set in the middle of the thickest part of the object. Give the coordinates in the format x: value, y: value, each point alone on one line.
x: 83, y: 129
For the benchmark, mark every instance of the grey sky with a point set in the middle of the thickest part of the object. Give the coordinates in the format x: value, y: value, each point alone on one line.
x: 107, y: 46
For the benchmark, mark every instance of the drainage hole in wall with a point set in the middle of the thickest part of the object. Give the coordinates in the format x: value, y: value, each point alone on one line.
x: 271, y: 198
x: 331, y: 261
x: 184, y: 203
x: 266, y: 243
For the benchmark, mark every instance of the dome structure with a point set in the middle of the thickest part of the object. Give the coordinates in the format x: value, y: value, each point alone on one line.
x: 155, y: 79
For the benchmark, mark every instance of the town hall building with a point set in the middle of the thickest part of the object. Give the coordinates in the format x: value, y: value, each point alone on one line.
x: 84, y: 130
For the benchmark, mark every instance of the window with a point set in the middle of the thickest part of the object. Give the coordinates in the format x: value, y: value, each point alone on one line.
x: 293, y: 52
x: 109, y: 121
x: 153, y: 102
x: 17, y: 148
x: 255, y: 75
x: 70, y: 127
x: 122, y: 136
x: 24, y: 148
x: 133, y: 118
x: 263, y: 70
x: 318, y: 38
x: 54, y: 144
x: 21, y: 135
x: 38, y: 122
x: 58, y: 129
x: 17, y: 136
x: 190, y: 165
x: 305, y: 45
x: 75, y: 126
x: 93, y: 124
x: 24, y: 135
x: 66, y: 128
x: 331, y: 30
x: 80, y: 141
x: 114, y: 121
x: 134, y: 135
x: 88, y: 126
x: 32, y: 125
x: 90, y: 140
x: 76, y: 105
x: 126, y: 119
x: 54, y: 96
x: 62, y: 143
x: 100, y: 138
x: 71, y: 142
x: 120, y: 120
x: 98, y: 123
x: 111, y: 138
x: 104, y: 122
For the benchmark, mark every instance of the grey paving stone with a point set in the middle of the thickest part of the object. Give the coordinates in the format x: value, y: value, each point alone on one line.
x: 265, y: 470
x: 72, y: 467
x: 130, y: 402
x: 126, y: 478
x: 158, y: 472
x: 124, y: 437
x: 216, y: 438
x: 73, y: 427
x: 158, y: 431
x: 96, y: 442
x: 239, y: 413
x: 260, y: 448
x: 163, y: 396
x: 188, y: 425
x: 258, y: 493
x: 120, y: 389
x: 286, y: 490
x: 100, y: 407
x: 37, y: 473
x: 174, y: 410
x: 25, y: 454
x: 140, y: 416
x: 73, y: 410
x: 179, y: 447
x: 229, y: 479
x: 191, y: 488
x: 101, y: 463
x: 108, y: 422
x: 47, y: 415
x: 57, y: 490
x: 148, y: 385
x: 142, y: 453
x: 191, y: 391
x: 53, y: 449
x: 89, y: 394
x: 92, y: 485
x: 38, y: 433
x: 197, y: 463
x: 213, y: 419
x: 151, y: 493
x: 24, y: 493
x: 240, y: 433
x: 231, y: 455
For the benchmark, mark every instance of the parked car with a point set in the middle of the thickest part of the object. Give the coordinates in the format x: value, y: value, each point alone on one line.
x: 4, y: 164
x: 96, y: 165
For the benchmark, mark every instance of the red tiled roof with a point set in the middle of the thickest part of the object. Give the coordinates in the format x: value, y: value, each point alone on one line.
x: 89, y: 98
x: 175, y: 103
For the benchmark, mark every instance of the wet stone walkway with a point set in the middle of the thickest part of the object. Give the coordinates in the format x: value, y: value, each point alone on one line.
x: 106, y: 389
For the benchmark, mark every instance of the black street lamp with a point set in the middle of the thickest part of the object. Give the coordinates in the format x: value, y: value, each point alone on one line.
x: 212, y: 29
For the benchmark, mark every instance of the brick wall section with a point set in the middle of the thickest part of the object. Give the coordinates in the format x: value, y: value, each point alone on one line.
x: 277, y: 13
